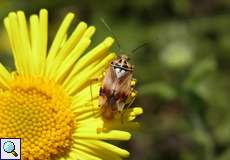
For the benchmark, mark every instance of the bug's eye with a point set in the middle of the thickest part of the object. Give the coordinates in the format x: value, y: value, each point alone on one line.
x: 120, y: 61
x: 111, y: 62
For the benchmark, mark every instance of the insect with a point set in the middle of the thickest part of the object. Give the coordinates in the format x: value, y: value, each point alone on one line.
x: 117, y: 89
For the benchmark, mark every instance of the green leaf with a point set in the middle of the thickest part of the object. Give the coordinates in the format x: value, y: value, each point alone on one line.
x: 199, y: 72
x: 161, y: 89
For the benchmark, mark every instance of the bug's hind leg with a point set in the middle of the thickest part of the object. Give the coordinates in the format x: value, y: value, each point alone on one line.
x: 129, y: 102
x: 92, y: 81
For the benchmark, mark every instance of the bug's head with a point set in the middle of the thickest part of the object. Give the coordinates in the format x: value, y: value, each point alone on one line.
x: 122, y: 61
x: 123, y: 57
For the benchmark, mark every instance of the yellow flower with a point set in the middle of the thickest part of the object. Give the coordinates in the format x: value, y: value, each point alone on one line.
x: 47, y: 101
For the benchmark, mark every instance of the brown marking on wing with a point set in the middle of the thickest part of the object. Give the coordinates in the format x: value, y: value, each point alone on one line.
x: 104, y: 91
x: 108, y: 82
x: 108, y: 112
x: 102, y: 101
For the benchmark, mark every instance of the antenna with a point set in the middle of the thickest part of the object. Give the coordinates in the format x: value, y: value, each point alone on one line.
x: 139, y: 47
x: 110, y: 30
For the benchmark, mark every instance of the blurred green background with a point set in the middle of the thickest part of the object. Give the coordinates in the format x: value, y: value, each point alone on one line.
x: 183, y: 71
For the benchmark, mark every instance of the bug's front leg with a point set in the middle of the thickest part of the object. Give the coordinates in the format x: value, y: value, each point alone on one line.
x: 97, y: 79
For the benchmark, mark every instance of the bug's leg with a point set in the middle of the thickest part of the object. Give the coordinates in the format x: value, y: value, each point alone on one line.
x: 120, y: 106
x: 129, y: 102
x: 95, y: 80
x: 130, y: 98
x: 133, y: 82
x: 91, y: 93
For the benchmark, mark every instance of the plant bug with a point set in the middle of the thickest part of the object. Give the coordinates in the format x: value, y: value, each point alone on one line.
x: 117, y: 88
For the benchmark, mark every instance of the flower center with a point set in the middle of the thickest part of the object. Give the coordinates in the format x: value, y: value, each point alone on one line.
x: 38, y: 112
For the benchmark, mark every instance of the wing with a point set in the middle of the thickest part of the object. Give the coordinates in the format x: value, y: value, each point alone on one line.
x: 102, y: 100
x: 108, y: 111
x: 123, y: 85
x: 108, y: 81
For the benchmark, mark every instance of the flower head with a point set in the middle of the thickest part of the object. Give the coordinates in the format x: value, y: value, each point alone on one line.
x: 48, y: 101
